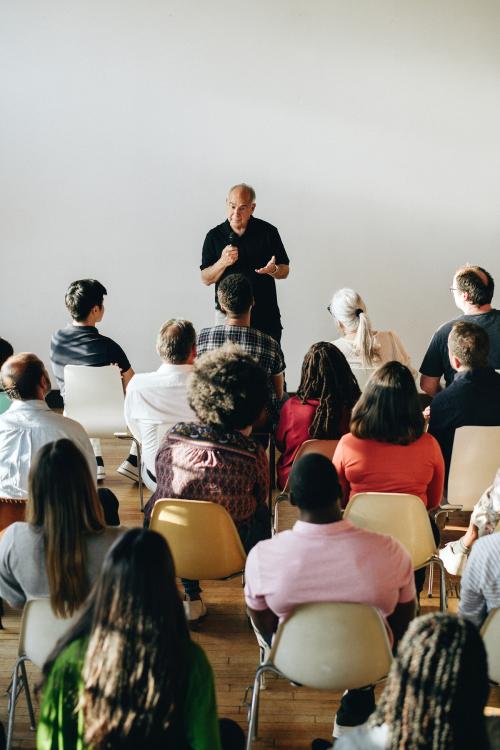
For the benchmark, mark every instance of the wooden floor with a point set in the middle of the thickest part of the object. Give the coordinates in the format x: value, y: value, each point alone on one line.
x: 290, y: 717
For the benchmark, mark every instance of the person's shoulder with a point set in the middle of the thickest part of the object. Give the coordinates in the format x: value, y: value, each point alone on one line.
x: 261, y: 225
x: 218, y: 230
x: 426, y: 441
x: 16, y: 533
x: 487, y: 545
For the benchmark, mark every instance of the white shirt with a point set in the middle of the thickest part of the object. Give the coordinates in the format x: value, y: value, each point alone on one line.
x: 25, y: 428
x: 154, y: 402
x: 389, y: 347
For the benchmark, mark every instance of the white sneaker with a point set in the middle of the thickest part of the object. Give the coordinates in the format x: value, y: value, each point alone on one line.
x: 195, y: 609
x: 454, y: 556
x: 129, y: 471
x: 101, y: 472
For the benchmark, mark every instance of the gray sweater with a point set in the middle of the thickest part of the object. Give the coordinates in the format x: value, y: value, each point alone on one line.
x: 22, y: 561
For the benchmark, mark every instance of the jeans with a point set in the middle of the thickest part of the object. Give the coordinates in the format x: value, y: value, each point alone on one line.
x: 257, y: 528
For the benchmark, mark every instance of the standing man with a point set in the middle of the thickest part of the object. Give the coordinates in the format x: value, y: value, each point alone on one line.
x: 253, y: 247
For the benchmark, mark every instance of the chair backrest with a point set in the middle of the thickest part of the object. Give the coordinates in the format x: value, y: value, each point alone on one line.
x: 474, y: 461
x: 491, y: 637
x: 325, y: 447
x: 202, y: 538
x: 40, y: 630
x: 333, y: 646
x: 94, y: 397
x: 362, y: 375
x: 402, y: 516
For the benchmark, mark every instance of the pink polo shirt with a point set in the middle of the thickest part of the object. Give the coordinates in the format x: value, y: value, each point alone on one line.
x: 333, y: 562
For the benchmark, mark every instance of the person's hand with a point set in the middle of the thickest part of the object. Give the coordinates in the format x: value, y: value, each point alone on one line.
x: 270, y: 268
x: 229, y: 255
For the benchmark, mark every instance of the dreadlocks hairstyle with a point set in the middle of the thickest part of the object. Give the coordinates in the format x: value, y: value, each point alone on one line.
x: 437, y: 687
x: 326, y: 376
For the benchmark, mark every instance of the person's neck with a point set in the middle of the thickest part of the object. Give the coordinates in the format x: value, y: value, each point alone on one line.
x: 320, y: 515
x: 240, y: 230
x: 87, y: 322
x: 469, y: 309
x: 238, y: 320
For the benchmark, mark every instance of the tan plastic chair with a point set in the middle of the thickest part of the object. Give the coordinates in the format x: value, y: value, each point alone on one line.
x: 40, y: 631
x: 491, y: 637
x: 94, y: 397
x: 406, y: 519
x: 326, y: 646
x: 202, y: 538
x: 324, y: 447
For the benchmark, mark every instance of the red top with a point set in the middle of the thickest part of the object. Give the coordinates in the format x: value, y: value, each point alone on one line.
x: 371, y: 466
x: 293, y: 429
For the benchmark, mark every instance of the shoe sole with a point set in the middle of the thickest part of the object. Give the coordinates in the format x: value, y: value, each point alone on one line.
x: 134, y: 477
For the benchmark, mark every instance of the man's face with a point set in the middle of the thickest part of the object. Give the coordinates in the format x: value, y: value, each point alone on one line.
x: 239, y: 209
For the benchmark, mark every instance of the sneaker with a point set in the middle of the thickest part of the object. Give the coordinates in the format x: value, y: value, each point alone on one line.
x: 339, y: 730
x: 454, y: 556
x: 101, y: 472
x: 354, y: 710
x: 195, y: 609
x: 128, y: 470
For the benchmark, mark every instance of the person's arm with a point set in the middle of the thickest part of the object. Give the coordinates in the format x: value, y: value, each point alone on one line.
x: 430, y: 385
x: 473, y: 604
x: 400, y: 619
x: 436, y: 485
x: 10, y: 588
x: 264, y: 620
x: 399, y: 561
x: 213, y: 273
x: 262, y: 477
x: 127, y: 377
x: 201, y: 724
x: 279, y: 385
x: 338, y: 462
x: 276, y: 270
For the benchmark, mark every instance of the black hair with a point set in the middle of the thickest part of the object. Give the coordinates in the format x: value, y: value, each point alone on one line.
x: 82, y: 296
x: 314, y: 482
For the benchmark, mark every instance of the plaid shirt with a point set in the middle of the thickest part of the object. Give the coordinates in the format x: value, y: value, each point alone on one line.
x: 264, y: 349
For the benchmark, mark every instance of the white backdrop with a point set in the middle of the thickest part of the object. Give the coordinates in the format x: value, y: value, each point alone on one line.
x: 370, y: 131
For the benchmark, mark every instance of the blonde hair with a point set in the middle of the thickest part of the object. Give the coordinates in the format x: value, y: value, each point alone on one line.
x: 348, y: 308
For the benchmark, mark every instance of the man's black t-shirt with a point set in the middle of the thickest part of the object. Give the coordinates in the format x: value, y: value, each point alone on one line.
x: 256, y: 247
x: 84, y: 345
x: 437, y: 362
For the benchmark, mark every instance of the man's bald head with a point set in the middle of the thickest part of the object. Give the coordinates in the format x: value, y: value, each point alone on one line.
x: 476, y: 283
x: 24, y: 377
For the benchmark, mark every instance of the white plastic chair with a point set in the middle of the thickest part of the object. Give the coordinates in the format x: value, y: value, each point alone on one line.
x: 490, y: 632
x: 324, y: 447
x: 327, y: 646
x: 406, y: 519
x: 94, y: 397
x: 40, y: 631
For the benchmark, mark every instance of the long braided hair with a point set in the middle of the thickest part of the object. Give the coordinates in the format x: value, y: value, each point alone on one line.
x: 326, y: 376
x: 437, y: 687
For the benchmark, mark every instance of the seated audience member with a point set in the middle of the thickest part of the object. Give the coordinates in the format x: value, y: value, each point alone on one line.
x: 155, y: 401
x: 127, y: 674
x: 473, y: 398
x: 472, y: 290
x: 215, y: 458
x: 483, y: 521
x: 80, y: 343
x: 480, y: 589
x: 58, y: 553
x: 322, y: 407
x: 362, y: 346
x: 435, y: 694
x: 324, y: 558
x: 236, y: 301
x: 387, y: 449
x: 6, y: 351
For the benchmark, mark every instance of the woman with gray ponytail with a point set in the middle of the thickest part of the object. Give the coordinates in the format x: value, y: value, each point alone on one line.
x: 363, y: 347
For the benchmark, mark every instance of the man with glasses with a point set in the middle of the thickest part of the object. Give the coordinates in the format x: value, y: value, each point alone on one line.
x: 472, y: 291
x: 253, y: 247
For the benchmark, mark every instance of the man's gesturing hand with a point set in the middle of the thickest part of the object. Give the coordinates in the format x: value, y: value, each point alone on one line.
x: 270, y: 268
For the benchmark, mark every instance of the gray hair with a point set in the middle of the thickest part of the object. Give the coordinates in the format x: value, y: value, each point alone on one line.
x: 348, y: 308
x: 247, y: 188
x: 175, y: 340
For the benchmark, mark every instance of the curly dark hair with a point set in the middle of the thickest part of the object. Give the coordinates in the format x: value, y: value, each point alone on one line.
x: 235, y: 294
x: 228, y: 388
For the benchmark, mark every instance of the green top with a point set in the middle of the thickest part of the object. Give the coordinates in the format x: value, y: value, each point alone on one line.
x: 60, y: 728
x: 5, y: 402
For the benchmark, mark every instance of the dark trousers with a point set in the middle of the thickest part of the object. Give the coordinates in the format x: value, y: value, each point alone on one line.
x: 356, y: 706
x: 110, y: 504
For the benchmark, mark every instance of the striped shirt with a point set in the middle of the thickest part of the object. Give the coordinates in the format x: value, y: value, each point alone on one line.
x: 480, y: 590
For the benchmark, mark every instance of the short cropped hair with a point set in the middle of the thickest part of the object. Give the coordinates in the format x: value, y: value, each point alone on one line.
x: 82, y: 296
x: 21, y: 375
x: 247, y: 188
x: 6, y: 350
x: 470, y: 344
x: 235, y: 294
x: 314, y: 482
x: 175, y: 341
x: 389, y: 410
x: 469, y: 279
x: 228, y: 388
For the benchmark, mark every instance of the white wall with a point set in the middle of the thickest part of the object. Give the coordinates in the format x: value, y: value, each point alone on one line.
x: 370, y: 131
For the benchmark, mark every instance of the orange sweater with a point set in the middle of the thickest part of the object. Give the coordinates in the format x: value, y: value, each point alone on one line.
x: 371, y: 466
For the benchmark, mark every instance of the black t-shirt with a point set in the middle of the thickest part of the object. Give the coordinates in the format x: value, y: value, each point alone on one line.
x: 437, y: 362
x: 84, y: 345
x: 472, y: 399
x: 256, y: 247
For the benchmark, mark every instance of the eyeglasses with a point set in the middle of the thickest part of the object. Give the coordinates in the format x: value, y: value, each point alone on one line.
x: 454, y: 289
x: 329, y: 308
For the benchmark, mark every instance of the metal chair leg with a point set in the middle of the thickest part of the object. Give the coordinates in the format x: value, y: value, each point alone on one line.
x: 139, y: 466
x: 443, y: 599
x: 280, y: 499
x: 27, y: 692
x: 15, y: 687
x: 431, y: 581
